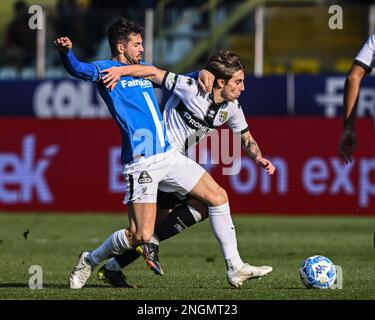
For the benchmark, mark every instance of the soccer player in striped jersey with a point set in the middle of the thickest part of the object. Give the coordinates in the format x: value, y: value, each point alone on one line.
x: 189, y: 115
x: 363, y: 64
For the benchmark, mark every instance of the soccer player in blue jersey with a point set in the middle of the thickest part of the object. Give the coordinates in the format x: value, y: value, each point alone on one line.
x: 148, y: 161
x: 145, y: 151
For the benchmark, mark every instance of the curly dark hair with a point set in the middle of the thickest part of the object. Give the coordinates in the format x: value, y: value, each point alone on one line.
x: 224, y: 64
x: 120, y: 31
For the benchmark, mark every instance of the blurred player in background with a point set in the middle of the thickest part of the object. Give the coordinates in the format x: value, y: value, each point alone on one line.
x: 190, y: 115
x: 363, y: 64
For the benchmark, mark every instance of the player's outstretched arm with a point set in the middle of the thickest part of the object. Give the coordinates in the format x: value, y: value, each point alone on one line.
x: 112, y: 75
x: 76, y: 68
x: 250, y: 146
x: 353, y: 81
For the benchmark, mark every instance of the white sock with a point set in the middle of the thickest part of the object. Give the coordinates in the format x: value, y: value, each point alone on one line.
x: 112, y: 265
x: 115, y: 244
x: 223, y: 228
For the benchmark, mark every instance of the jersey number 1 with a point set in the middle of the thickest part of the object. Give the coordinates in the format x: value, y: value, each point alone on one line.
x: 159, y: 129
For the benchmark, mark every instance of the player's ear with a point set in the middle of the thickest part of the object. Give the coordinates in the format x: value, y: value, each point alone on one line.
x: 120, y: 48
x: 221, y: 83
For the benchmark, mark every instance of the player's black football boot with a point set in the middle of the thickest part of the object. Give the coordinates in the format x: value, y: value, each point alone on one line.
x: 150, y: 253
x: 114, y: 278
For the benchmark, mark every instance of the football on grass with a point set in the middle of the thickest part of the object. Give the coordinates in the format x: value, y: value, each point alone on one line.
x: 317, y: 272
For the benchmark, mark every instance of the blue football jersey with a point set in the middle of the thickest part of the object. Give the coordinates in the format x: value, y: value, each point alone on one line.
x: 134, y: 107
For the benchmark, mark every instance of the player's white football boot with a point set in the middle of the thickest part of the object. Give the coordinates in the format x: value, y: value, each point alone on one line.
x: 236, y: 278
x: 81, y: 272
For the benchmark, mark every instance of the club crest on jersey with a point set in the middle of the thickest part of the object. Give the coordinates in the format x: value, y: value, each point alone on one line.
x: 144, y: 177
x: 223, y: 116
x: 189, y: 81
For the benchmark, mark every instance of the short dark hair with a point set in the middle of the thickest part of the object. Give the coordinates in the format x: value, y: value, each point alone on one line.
x: 224, y: 64
x: 120, y: 31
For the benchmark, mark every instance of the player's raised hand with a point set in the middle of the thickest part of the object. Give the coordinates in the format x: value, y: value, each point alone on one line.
x: 206, y: 80
x: 266, y: 165
x: 348, y: 142
x: 63, y: 44
x: 111, y: 77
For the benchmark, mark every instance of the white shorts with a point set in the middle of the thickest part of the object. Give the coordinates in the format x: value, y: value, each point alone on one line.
x: 169, y: 172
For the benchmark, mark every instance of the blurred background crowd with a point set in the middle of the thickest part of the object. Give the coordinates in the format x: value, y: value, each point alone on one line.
x: 296, y: 37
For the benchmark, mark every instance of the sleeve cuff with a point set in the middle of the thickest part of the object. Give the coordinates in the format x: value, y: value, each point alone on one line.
x: 169, y: 81
x: 363, y: 65
x: 242, y: 131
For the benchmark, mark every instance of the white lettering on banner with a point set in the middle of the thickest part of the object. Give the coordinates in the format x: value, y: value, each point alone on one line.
x: 281, y: 174
x: 68, y: 99
x: 366, y: 188
x: 252, y: 176
x: 319, y: 176
x: 314, y: 174
x: 332, y: 99
x: 317, y: 180
x: 25, y: 172
x: 251, y: 169
x: 366, y: 102
x: 342, y: 178
x: 116, y: 181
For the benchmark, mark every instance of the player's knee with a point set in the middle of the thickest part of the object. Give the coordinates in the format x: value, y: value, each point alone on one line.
x: 143, y: 237
x: 218, y: 198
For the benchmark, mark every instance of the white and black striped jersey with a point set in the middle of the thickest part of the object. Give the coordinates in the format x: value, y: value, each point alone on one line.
x: 366, y: 56
x: 190, y: 114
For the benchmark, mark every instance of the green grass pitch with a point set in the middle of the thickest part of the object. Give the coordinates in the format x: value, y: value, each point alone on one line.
x: 194, y: 268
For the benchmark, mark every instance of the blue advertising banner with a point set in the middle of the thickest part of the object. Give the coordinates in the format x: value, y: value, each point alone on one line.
x: 287, y: 95
x: 323, y: 96
x: 264, y: 96
x: 51, y: 99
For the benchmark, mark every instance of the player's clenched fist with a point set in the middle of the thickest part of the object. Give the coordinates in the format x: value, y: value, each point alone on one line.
x: 63, y: 44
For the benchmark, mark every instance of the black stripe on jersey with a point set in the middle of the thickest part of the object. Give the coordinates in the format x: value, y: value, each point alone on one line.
x: 174, y: 82
x: 244, y: 130
x: 212, y: 111
x: 131, y: 188
x: 363, y: 65
x: 191, y: 120
x: 164, y: 79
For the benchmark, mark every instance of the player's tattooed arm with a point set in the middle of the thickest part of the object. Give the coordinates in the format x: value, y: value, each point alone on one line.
x: 112, y: 75
x: 250, y: 146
